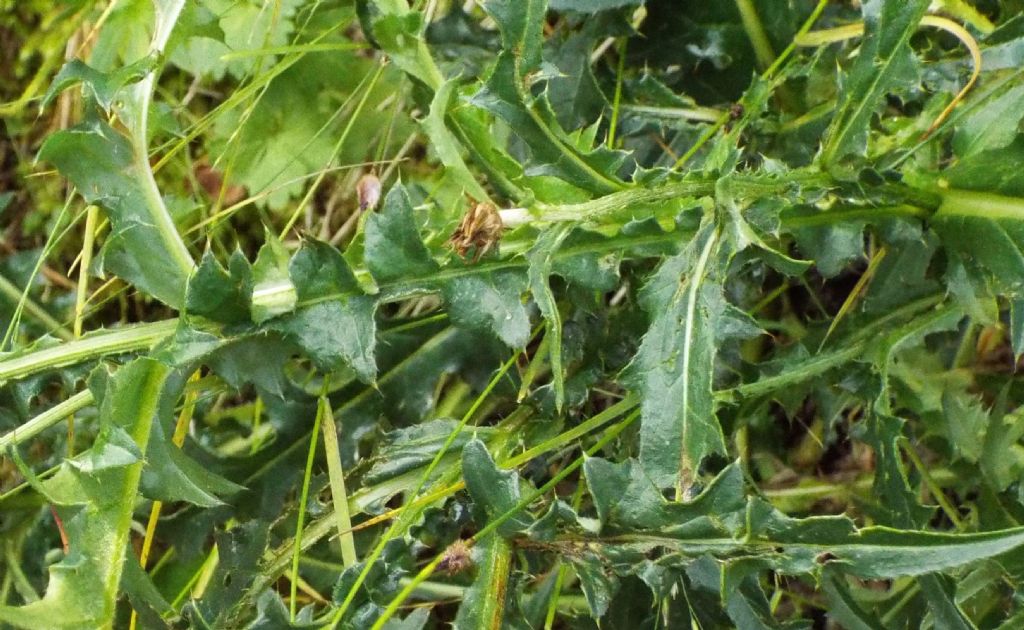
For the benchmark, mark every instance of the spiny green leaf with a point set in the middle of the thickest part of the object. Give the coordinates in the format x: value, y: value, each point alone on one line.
x: 397, y: 31
x: 574, y: 93
x: 885, y: 349
x: 446, y: 145
x: 335, y: 321
x: 895, y: 499
x: 1017, y: 327
x: 966, y: 422
x: 220, y: 294
x: 873, y: 552
x: 832, y: 244
x: 987, y: 232
x: 239, y: 552
x: 405, y: 449
x: 506, y: 96
x: 940, y: 591
x: 745, y: 601
x: 1002, y: 459
x: 393, y: 246
x: 674, y: 366
x: 842, y: 605
x: 494, y: 491
x: 627, y: 499
x: 171, y: 475
x: 884, y: 63
x: 273, y: 292
x: 593, y: 270
x: 145, y: 598
x: 540, y: 257
x: 521, y: 25
x: 742, y: 235
x: 599, y: 585
x: 101, y: 86
x: 491, y: 302
x: 991, y: 127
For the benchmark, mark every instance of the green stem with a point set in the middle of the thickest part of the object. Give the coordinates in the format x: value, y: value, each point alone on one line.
x: 47, y: 419
x: 92, y: 214
x: 695, y: 114
x: 138, y: 98
x: 964, y: 12
x: 127, y: 339
x: 839, y: 215
x: 617, y: 99
x: 951, y: 203
x: 437, y: 591
x: 968, y: 203
x: 824, y: 362
x: 740, y: 185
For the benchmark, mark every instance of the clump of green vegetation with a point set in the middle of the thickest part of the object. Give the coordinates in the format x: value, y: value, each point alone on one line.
x: 512, y: 314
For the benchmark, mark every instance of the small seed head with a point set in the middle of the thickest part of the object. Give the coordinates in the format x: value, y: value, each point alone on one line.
x: 456, y: 558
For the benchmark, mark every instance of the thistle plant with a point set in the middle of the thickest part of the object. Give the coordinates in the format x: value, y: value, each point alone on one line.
x: 532, y: 313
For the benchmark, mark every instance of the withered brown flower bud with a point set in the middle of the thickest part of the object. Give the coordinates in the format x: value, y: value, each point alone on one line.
x: 481, y: 229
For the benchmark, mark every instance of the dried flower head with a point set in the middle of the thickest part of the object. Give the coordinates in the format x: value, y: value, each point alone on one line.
x: 480, y: 229
x: 368, y: 192
x: 456, y: 558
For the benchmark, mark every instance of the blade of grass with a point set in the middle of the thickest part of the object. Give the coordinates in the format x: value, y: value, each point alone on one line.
x: 126, y: 339
x: 620, y: 74
x: 92, y: 214
x: 855, y: 293
x: 339, y: 496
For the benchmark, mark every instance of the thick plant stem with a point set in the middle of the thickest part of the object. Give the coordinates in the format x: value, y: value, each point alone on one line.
x: 983, y: 205
x: 127, y: 339
x: 137, y: 117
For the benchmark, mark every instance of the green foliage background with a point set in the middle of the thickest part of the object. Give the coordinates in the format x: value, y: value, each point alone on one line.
x: 745, y: 356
